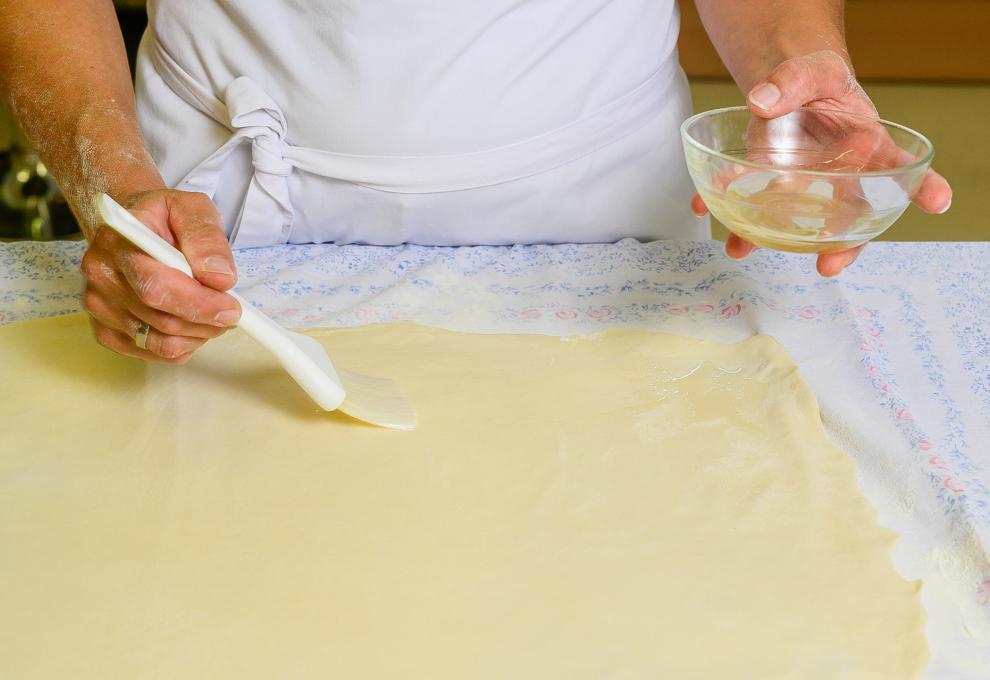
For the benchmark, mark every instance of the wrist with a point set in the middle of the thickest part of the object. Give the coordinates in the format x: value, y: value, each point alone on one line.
x: 133, y: 182
x: 107, y: 154
x: 754, y: 37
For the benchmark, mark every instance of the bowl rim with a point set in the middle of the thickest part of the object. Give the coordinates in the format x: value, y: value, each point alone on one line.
x: 900, y: 169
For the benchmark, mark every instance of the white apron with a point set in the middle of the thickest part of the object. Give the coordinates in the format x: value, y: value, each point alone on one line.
x: 439, y: 122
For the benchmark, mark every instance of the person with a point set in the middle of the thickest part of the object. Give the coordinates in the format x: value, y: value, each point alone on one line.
x: 260, y: 123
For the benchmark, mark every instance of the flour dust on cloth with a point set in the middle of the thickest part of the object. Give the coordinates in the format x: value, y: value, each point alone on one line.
x: 436, y: 122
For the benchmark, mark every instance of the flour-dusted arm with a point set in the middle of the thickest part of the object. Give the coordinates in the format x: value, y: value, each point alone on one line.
x: 75, y: 102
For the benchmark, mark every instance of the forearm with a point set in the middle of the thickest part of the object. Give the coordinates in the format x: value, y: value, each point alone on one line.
x: 74, y: 99
x: 754, y: 36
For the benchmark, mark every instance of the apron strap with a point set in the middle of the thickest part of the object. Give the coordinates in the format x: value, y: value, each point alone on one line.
x: 266, y: 215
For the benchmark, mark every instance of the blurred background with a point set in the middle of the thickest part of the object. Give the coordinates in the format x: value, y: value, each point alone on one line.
x: 924, y: 63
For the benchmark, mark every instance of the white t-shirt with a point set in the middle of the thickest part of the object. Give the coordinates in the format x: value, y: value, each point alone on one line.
x: 428, y: 121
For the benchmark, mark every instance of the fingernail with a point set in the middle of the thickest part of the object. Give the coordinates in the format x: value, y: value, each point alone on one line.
x: 227, y: 317
x: 217, y: 265
x: 765, y: 96
x: 946, y: 208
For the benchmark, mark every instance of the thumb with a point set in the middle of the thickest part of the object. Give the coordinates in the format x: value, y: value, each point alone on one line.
x: 198, y: 230
x: 799, y: 81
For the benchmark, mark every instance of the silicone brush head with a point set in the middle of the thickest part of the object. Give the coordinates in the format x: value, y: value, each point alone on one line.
x: 376, y: 400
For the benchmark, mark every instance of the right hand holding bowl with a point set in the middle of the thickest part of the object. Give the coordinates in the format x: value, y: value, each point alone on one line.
x: 811, y: 181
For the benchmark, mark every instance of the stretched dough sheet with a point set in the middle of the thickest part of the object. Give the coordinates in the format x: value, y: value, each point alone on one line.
x: 622, y: 505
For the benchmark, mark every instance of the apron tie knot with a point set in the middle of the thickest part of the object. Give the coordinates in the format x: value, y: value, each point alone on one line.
x: 256, y: 116
x: 266, y: 215
x: 267, y: 156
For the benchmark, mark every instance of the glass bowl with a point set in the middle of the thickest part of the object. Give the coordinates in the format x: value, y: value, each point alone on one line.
x: 813, y: 181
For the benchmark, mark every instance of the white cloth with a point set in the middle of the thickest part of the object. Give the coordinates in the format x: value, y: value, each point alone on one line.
x: 897, y: 351
x: 429, y: 122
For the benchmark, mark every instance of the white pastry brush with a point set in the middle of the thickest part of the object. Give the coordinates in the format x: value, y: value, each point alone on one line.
x: 373, y: 400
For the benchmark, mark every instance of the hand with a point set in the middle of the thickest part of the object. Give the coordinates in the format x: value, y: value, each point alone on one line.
x: 822, y: 80
x: 125, y: 287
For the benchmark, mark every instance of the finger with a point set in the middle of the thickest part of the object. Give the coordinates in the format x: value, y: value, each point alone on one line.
x: 117, y: 289
x: 161, y: 344
x: 832, y: 264
x: 935, y: 195
x: 848, y: 205
x: 171, y: 346
x: 121, y: 343
x: 109, y: 314
x: 169, y: 290
x: 110, y: 285
x: 169, y: 323
x: 698, y: 206
x: 817, y: 76
x: 198, y: 229
x: 737, y: 247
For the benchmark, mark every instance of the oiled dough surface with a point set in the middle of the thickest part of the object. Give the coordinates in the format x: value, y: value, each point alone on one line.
x: 626, y: 505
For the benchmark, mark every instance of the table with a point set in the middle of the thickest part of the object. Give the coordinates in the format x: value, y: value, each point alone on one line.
x: 897, y: 350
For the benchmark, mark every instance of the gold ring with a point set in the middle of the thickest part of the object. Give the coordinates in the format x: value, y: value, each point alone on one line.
x: 141, y: 335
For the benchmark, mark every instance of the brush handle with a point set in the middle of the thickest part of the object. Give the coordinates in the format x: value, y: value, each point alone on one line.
x: 312, y: 368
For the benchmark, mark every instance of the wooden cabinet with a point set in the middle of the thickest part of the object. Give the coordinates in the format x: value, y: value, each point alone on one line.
x: 890, y: 39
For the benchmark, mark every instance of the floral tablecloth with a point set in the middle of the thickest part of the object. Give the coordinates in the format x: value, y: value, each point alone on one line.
x: 897, y: 350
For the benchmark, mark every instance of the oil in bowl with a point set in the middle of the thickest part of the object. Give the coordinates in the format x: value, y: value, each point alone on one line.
x: 813, y: 181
